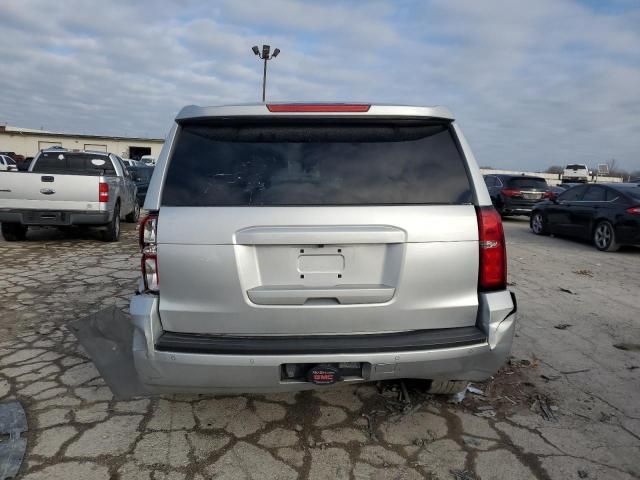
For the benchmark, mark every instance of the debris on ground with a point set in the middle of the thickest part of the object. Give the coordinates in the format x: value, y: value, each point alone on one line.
x: 546, y: 410
x: 585, y: 272
x: 460, y: 396
x: 571, y: 372
x: 566, y: 290
x: 562, y: 326
x: 462, y: 475
x: 13, y: 422
x: 486, y: 411
x: 550, y: 378
x: 583, y: 474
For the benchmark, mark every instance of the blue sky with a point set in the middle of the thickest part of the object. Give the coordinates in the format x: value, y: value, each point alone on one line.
x: 531, y: 83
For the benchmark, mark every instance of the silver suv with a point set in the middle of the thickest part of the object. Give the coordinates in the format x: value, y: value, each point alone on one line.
x: 296, y: 245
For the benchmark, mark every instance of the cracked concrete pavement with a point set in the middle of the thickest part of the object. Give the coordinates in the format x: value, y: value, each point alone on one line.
x: 587, y: 373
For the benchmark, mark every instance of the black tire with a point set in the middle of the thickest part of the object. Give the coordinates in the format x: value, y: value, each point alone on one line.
x: 135, y: 213
x: 14, y: 232
x: 538, y: 224
x: 112, y: 232
x: 447, y: 387
x: 604, y: 237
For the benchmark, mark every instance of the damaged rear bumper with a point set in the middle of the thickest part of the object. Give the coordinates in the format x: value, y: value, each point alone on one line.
x: 162, y: 370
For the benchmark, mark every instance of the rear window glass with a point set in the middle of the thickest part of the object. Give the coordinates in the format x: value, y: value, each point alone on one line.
x: 576, y: 167
x: 144, y: 174
x: 72, y: 163
x: 316, y: 164
x: 527, y: 182
x: 633, y: 192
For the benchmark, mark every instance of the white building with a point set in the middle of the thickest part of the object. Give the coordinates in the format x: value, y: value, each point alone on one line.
x: 28, y: 142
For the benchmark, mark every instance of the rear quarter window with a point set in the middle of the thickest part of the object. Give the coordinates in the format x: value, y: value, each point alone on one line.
x: 316, y: 164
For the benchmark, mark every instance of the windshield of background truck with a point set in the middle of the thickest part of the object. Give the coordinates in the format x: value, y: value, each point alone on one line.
x: 326, y: 163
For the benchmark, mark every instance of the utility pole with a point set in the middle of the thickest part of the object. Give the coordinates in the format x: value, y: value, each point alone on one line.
x: 265, y: 57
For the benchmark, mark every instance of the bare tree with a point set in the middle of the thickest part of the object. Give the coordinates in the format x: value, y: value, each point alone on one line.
x: 554, y: 169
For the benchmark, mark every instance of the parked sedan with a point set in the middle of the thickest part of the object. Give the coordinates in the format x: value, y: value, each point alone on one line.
x: 606, y: 214
x: 516, y: 194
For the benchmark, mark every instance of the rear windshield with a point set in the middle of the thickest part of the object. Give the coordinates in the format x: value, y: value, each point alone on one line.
x: 10, y: 161
x: 576, y: 167
x: 633, y: 192
x: 316, y: 164
x: 528, y: 182
x: 144, y: 174
x: 72, y: 163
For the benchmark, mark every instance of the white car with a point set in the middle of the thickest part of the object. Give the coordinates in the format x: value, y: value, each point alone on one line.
x: 132, y: 163
x: 148, y: 160
x: 7, y: 164
x: 575, y: 172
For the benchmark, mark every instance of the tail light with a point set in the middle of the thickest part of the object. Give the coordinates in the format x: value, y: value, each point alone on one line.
x: 548, y: 194
x: 103, y: 192
x: 148, y: 244
x: 511, y: 192
x: 633, y: 210
x: 493, y: 254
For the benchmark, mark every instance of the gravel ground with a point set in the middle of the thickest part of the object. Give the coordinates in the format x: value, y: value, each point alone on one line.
x: 576, y: 356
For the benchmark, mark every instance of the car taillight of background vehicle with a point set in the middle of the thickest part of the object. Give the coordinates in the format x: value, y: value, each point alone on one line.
x: 634, y: 210
x: 103, y: 192
x: 548, y: 194
x: 493, y: 254
x: 511, y: 192
x: 149, y: 261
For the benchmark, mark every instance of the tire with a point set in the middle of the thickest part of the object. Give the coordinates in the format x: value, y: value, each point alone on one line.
x: 14, y: 232
x: 538, y: 224
x: 604, y: 237
x: 112, y: 232
x: 447, y: 387
x: 135, y: 213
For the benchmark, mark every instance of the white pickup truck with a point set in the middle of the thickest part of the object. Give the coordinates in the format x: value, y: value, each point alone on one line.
x: 64, y: 188
x: 575, y: 173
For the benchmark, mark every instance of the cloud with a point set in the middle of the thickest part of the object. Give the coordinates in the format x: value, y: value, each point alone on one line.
x: 533, y: 84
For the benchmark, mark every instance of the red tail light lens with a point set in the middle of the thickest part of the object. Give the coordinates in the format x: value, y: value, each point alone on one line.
x: 319, y: 107
x: 548, y: 194
x: 103, y: 192
x: 633, y: 210
x: 511, y: 192
x: 148, y: 244
x: 493, y: 254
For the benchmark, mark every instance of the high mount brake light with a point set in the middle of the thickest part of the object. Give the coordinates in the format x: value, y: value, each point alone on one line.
x: 319, y: 107
x: 493, y: 254
x: 149, y: 262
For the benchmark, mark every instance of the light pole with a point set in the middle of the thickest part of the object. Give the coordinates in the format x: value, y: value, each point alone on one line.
x: 265, y: 56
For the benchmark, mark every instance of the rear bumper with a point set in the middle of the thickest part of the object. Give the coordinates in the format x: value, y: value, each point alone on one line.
x: 163, y: 370
x: 517, y: 206
x: 56, y: 218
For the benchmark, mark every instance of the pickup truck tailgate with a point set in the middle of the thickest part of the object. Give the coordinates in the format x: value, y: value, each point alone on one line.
x: 49, y: 191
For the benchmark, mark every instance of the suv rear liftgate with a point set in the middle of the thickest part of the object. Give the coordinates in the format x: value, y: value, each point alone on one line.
x: 282, y: 241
